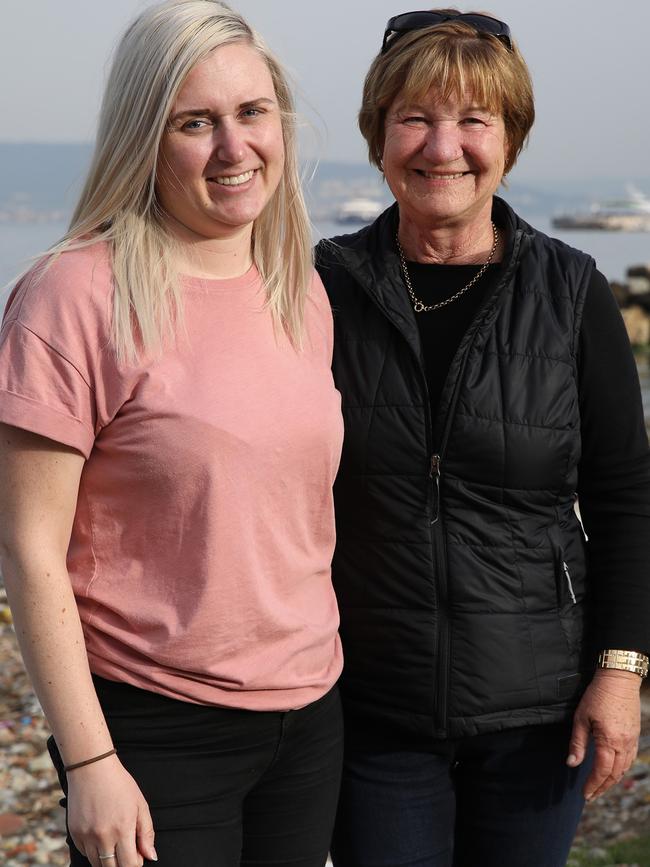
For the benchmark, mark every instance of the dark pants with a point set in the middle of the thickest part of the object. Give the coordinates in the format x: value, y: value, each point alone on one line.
x: 228, y: 787
x: 498, y: 800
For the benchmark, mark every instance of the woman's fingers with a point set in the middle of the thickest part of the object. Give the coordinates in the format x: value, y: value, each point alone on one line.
x: 107, y: 857
x: 93, y: 851
x: 621, y: 763
x: 144, y: 833
x: 579, y: 741
x: 127, y: 853
x: 122, y: 853
x: 607, y: 770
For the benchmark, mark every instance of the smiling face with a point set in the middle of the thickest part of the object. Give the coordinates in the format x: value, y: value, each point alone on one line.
x: 222, y: 156
x: 443, y: 161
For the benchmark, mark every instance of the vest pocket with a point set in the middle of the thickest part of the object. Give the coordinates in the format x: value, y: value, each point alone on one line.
x: 570, y: 609
x: 569, y: 583
x: 570, y: 605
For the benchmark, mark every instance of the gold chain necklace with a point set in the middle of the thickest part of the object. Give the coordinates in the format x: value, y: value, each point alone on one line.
x: 418, y: 305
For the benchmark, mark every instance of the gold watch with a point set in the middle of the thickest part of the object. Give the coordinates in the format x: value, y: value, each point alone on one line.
x: 624, y: 660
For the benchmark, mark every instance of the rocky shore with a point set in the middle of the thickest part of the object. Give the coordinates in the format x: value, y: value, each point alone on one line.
x: 31, y: 820
x: 633, y: 296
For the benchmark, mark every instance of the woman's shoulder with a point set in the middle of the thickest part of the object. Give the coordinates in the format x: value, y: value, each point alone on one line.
x: 318, y: 313
x: 317, y: 291
x: 65, y: 301
x: 73, y: 284
x: 317, y: 297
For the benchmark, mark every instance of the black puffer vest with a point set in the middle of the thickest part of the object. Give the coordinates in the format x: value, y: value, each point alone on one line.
x: 460, y: 563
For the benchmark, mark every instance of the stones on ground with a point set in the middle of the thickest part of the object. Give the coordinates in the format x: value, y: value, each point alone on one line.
x: 10, y: 823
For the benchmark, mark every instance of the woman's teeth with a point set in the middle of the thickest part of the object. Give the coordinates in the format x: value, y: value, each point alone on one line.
x: 235, y: 180
x: 438, y: 176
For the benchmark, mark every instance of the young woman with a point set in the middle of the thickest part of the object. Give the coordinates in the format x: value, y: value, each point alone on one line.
x: 170, y: 435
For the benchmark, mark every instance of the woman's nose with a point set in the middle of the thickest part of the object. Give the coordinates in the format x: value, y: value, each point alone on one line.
x: 442, y: 144
x: 229, y: 144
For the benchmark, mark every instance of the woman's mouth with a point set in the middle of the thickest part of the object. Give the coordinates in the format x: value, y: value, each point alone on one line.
x: 234, y: 180
x: 441, y: 176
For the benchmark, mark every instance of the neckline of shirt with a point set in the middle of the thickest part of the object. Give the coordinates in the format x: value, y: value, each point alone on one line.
x: 251, y: 278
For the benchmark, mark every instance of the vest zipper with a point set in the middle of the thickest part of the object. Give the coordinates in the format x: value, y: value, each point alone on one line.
x: 442, y: 633
x: 443, y: 648
x: 567, y: 575
x: 434, y: 474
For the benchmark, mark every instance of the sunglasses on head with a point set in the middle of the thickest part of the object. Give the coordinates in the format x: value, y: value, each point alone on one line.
x: 398, y: 25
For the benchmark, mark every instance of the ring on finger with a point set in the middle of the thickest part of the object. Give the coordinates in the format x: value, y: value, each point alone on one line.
x: 106, y: 856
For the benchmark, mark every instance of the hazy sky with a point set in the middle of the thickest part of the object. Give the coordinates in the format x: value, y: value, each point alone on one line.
x: 589, y: 60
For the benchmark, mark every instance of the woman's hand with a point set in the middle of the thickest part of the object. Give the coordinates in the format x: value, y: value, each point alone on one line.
x: 107, y: 813
x: 610, y: 710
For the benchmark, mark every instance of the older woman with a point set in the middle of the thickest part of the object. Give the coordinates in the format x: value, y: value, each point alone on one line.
x: 486, y: 378
x: 170, y: 436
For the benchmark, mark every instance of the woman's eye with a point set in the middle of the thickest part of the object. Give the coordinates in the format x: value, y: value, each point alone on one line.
x: 252, y: 112
x: 470, y: 121
x: 196, y: 124
x: 414, y: 119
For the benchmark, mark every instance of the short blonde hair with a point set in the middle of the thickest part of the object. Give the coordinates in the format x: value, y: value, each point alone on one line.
x: 454, y: 58
x: 119, y: 204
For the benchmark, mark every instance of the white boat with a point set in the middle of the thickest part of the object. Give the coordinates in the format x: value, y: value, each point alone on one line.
x: 631, y: 214
x: 359, y: 211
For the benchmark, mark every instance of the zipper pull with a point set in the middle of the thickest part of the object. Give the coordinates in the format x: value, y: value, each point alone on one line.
x: 434, y: 474
x: 569, y: 582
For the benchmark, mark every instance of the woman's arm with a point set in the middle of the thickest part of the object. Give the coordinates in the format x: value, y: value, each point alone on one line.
x: 614, y: 490
x: 40, y: 481
x: 614, y: 475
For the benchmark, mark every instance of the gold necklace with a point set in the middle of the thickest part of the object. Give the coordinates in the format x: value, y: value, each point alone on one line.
x: 418, y: 305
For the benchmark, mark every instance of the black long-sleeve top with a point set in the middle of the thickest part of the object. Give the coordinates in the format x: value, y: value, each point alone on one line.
x: 614, y: 470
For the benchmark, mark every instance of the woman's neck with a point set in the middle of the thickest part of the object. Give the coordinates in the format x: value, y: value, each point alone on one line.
x: 212, y: 258
x: 468, y: 244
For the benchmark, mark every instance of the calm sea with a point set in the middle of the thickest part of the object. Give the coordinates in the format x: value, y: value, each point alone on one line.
x: 614, y: 252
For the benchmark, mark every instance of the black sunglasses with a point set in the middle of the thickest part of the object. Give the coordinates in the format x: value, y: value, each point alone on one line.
x: 398, y: 25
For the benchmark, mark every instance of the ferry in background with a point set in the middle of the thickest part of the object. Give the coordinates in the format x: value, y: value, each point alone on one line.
x: 359, y: 211
x: 624, y: 215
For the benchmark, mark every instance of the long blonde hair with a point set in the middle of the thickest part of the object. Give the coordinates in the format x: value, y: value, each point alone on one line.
x: 118, y: 202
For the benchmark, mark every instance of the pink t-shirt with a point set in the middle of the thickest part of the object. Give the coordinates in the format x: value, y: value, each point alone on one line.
x: 204, y: 531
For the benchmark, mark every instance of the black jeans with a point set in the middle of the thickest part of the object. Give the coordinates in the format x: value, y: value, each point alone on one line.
x: 498, y: 800
x: 228, y: 787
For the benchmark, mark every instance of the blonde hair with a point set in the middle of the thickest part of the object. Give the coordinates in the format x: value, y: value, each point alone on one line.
x: 454, y: 58
x: 118, y: 202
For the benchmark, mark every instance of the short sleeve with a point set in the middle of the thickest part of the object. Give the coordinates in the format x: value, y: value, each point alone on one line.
x: 52, y: 349
x: 43, y: 392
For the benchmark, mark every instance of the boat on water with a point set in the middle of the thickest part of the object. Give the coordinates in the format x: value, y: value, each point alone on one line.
x: 359, y: 211
x: 631, y: 214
